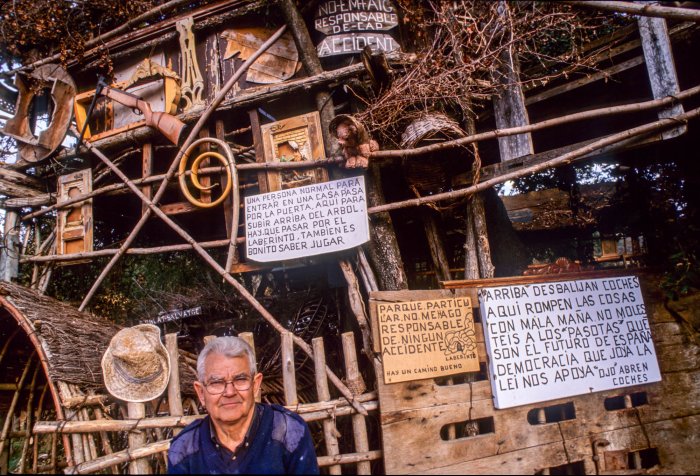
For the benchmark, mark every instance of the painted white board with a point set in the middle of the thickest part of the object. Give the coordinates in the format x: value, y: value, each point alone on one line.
x: 306, y: 221
x: 553, y: 340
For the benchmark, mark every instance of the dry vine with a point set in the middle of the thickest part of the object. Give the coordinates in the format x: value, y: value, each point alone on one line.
x: 465, y: 44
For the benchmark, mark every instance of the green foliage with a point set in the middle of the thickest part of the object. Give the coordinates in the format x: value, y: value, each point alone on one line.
x: 683, y: 276
x: 130, y: 284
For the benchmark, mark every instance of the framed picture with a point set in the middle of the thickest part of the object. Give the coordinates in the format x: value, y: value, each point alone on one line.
x: 297, y: 139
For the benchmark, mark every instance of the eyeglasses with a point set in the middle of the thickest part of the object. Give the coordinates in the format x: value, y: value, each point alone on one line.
x: 240, y: 383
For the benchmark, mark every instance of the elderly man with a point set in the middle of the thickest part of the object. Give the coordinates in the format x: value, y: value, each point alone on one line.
x: 238, y: 435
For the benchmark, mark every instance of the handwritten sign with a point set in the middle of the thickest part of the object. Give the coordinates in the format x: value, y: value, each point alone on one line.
x: 351, y: 25
x: 306, y: 221
x: 354, y: 43
x: 425, y: 339
x: 342, y: 16
x: 175, y: 315
x: 554, y: 340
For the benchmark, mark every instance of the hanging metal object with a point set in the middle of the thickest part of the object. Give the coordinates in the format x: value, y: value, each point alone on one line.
x: 227, y: 159
x: 33, y: 148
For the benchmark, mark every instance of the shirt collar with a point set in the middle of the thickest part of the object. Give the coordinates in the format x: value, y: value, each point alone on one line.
x: 252, y: 429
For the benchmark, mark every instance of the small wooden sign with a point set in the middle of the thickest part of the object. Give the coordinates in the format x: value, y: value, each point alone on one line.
x: 342, y: 16
x: 350, y: 26
x: 554, y: 340
x: 426, y: 339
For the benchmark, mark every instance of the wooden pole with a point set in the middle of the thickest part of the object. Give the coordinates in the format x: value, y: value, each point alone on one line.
x: 289, y: 370
x: 483, y: 248
x: 359, y: 426
x: 106, y: 446
x: 13, y: 403
x: 250, y: 340
x: 37, y: 417
x: 357, y: 306
x: 174, y: 397
x: 173, y: 167
x: 137, y: 439
x: 28, y: 428
x: 648, y: 10
x: 130, y: 455
x: 308, y: 411
x: 330, y: 432
x: 435, y: 244
x: 79, y: 451
x: 228, y: 278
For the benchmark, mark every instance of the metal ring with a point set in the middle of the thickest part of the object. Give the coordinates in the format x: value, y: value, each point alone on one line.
x: 226, y: 159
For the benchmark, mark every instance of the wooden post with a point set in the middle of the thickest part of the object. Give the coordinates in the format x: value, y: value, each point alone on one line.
x: 357, y: 305
x: 28, y: 428
x: 483, y: 248
x: 9, y: 253
x: 146, y: 171
x: 137, y: 439
x: 329, y: 430
x: 509, y: 106
x: 248, y: 338
x: 174, y: 397
x: 104, y: 436
x: 75, y: 440
x: 37, y: 417
x: 13, y: 403
x: 359, y: 426
x: 288, y: 370
x: 263, y: 186
x: 435, y: 243
x: 383, y: 248
x: 661, y: 68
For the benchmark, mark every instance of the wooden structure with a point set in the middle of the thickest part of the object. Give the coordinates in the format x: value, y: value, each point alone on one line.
x: 263, y: 100
x: 601, y: 432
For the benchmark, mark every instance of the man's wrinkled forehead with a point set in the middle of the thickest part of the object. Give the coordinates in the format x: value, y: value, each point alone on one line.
x: 220, y: 366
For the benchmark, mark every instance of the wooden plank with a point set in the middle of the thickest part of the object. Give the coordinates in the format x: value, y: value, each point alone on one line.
x: 509, y: 106
x: 459, y: 284
x: 288, y: 370
x: 178, y: 208
x: 359, y: 426
x: 682, y: 455
x: 137, y: 439
x: 250, y: 340
x: 661, y: 68
x: 330, y: 432
x: 146, y: 171
x: 174, y: 397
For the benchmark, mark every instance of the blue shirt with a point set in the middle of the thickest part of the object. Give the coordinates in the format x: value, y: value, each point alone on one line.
x: 278, y: 442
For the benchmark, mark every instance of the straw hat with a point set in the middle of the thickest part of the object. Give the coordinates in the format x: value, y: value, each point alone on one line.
x: 136, y: 365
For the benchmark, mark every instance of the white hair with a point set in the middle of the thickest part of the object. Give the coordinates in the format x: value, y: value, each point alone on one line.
x: 228, y: 347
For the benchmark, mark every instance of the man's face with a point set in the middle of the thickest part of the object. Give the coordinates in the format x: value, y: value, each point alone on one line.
x: 232, y: 406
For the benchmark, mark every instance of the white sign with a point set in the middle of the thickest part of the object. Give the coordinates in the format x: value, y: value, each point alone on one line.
x: 342, y: 16
x: 351, y: 43
x: 553, y: 340
x: 306, y: 221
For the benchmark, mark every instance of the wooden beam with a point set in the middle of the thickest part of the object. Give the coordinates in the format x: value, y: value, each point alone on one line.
x: 509, y: 105
x: 661, y: 68
x: 648, y: 10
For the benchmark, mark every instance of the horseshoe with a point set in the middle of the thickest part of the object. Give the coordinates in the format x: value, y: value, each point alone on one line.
x: 227, y: 159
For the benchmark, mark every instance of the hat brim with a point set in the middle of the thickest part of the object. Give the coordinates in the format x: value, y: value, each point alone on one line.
x: 133, y: 392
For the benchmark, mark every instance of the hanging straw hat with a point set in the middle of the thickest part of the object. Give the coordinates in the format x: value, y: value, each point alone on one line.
x: 136, y: 365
